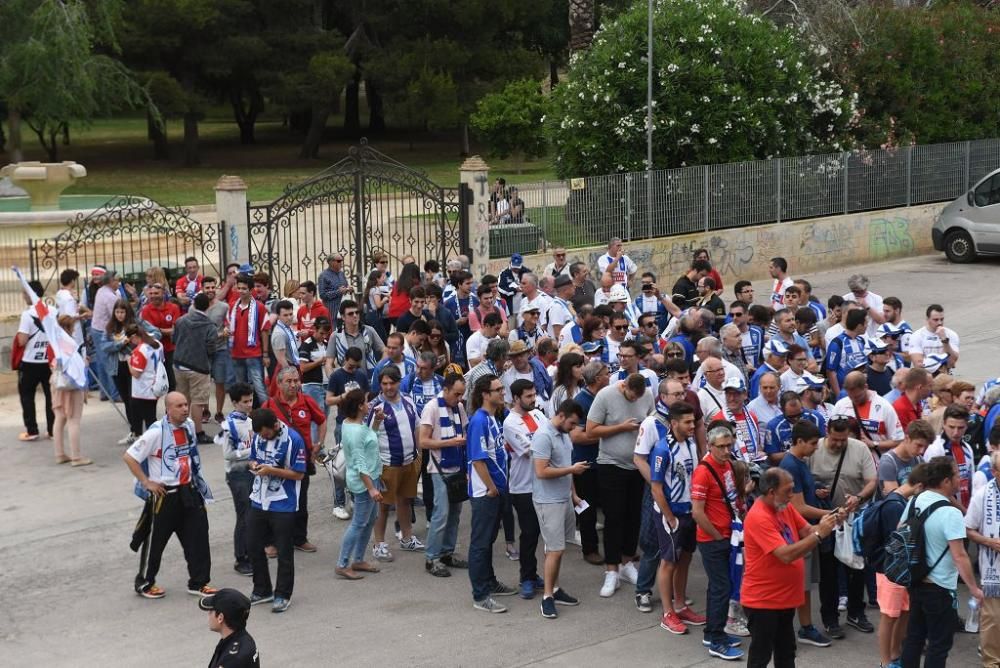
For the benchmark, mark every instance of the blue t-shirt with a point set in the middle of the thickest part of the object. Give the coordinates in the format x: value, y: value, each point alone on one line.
x: 779, y: 431
x: 342, y: 382
x: 585, y: 453
x: 802, y: 478
x: 754, y: 388
x: 845, y: 354
x: 286, y: 451
x: 943, y: 525
x: 485, y: 443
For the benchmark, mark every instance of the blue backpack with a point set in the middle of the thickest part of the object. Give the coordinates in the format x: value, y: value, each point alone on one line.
x: 869, y: 540
x: 906, y: 549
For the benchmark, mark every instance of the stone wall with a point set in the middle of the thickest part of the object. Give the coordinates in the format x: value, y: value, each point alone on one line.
x: 808, y: 245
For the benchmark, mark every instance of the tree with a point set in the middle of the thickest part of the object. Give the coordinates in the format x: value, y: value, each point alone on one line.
x: 51, y: 70
x: 581, y: 24
x: 510, y: 122
x: 728, y: 86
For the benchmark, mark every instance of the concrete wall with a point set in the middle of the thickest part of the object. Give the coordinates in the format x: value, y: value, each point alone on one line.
x: 808, y: 245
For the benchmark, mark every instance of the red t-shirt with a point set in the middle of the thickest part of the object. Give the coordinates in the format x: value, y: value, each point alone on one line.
x: 303, y: 412
x: 768, y: 582
x: 714, y: 275
x: 241, y: 348
x: 905, y: 411
x: 705, y: 488
x: 399, y: 303
x: 305, y: 316
x: 164, y: 316
x: 183, y: 281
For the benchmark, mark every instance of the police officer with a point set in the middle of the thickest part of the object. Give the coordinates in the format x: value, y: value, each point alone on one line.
x: 228, y: 610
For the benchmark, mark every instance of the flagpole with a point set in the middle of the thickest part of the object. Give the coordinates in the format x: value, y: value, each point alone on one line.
x: 107, y: 394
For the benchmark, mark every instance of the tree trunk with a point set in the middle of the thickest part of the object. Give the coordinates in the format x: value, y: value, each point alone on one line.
x: 466, y: 150
x: 299, y: 120
x: 314, y: 137
x: 553, y: 74
x: 191, y: 153
x: 14, y: 129
x: 157, y: 133
x: 352, y: 107
x: 3, y: 137
x: 47, y: 138
x: 65, y: 134
x: 581, y: 24
x: 376, y: 109
x: 246, y: 114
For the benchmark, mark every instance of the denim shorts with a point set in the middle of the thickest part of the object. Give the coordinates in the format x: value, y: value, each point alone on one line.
x: 222, y: 368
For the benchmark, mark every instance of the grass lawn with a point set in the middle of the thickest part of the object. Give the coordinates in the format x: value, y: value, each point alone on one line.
x: 118, y: 158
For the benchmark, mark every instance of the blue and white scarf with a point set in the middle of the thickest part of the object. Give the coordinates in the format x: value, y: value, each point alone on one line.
x: 989, y: 559
x: 531, y: 338
x: 292, y: 349
x: 166, y: 444
x: 450, y: 420
x: 251, y: 324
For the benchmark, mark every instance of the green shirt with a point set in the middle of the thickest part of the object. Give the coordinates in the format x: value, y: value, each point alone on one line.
x: 361, y: 453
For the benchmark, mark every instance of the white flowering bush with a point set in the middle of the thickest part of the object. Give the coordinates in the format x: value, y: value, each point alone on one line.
x: 727, y: 86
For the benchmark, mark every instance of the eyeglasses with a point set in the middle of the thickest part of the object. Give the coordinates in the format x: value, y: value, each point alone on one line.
x: 737, y: 314
x: 620, y: 328
x: 674, y: 356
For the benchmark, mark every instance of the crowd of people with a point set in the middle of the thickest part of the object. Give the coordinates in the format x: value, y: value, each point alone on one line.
x: 787, y: 440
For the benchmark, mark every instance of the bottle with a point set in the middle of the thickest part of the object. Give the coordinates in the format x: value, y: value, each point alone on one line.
x: 972, y: 621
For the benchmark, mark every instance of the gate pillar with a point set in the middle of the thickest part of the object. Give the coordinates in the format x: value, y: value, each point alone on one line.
x: 231, y: 211
x: 475, y: 175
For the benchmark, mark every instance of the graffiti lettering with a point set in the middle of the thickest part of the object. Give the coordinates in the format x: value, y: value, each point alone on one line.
x: 889, y: 237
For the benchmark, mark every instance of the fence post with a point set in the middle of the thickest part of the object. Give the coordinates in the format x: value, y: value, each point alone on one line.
x: 847, y: 183
x: 649, y: 203
x: 968, y: 156
x: 231, y: 211
x: 909, y: 174
x: 628, y: 206
x: 545, y: 216
x: 705, y: 169
x: 777, y: 190
x: 475, y: 174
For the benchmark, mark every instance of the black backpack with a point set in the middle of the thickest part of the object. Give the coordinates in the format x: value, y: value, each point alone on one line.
x: 905, y: 561
x: 869, y: 531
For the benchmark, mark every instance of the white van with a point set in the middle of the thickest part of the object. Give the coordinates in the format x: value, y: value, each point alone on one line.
x: 970, y: 225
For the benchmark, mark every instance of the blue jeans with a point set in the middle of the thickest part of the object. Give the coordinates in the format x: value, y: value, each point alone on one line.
x: 715, y: 557
x: 486, y: 512
x: 222, y: 368
x: 650, y: 560
x: 102, y: 363
x: 932, y: 623
x: 339, y: 498
x: 251, y: 370
x: 359, y: 531
x: 318, y: 394
x: 442, y: 533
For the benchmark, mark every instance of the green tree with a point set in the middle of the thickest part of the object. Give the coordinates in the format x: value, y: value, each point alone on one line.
x: 728, y: 86
x: 55, y: 67
x: 510, y: 122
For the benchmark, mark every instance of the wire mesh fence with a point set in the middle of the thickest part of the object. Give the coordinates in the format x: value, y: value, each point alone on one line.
x: 574, y: 213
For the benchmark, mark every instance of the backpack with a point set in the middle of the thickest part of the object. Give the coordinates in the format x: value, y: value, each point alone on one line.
x: 17, y: 350
x: 868, y: 539
x: 161, y: 384
x: 906, y: 550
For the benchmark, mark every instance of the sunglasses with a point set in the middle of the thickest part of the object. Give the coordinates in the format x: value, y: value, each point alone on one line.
x: 620, y: 328
x: 350, y: 313
x: 675, y: 356
x: 737, y: 314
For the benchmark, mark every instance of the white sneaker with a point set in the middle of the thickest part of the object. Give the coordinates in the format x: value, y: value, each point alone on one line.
x: 576, y: 539
x: 842, y: 603
x: 611, y: 584
x: 127, y: 439
x: 341, y: 513
x: 629, y: 573
x: 737, y: 627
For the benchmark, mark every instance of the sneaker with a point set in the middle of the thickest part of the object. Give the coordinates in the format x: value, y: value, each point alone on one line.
x: 549, y: 608
x: 306, y: 547
x: 219, y: 418
x: 691, y: 618
x: 671, y: 622
x: 835, y: 632
x: 725, y: 652
x: 206, y: 590
x: 737, y: 627
x: 202, y: 438
x: 489, y: 604
x: 860, y: 623
x: 811, y: 635
x: 842, y: 604
x: 341, y: 513
x: 500, y: 589
x: 527, y: 590
x: 895, y: 663
x: 399, y: 535
x: 731, y: 641
x: 412, y: 544
x: 562, y: 598
x: 512, y: 552
x: 152, y: 591
x: 594, y: 558
x: 243, y: 568
x: 381, y: 552
x: 539, y: 583
x: 280, y: 604
x: 206, y: 414
x: 256, y: 599
x: 126, y: 439
x: 629, y: 573
x: 451, y: 561
x: 644, y: 602
x: 611, y: 584
x: 436, y: 568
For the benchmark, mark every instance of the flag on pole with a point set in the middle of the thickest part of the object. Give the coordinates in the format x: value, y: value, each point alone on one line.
x: 67, y: 356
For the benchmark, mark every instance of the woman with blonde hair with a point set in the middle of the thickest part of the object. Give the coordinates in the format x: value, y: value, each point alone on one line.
x: 154, y: 276
x: 67, y: 403
x: 289, y: 292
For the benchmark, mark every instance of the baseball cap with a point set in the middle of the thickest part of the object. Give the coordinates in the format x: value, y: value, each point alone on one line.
x: 246, y: 269
x: 734, y: 383
x: 591, y: 347
x: 876, y: 346
x: 934, y: 362
x: 776, y: 347
x: 562, y: 280
x: 808, y: 382
x: 528, y: 306
x: 889, y: 329
x: 519, y: 347
x: 231, y: 603
x: 618, y: 294
x: 516, y: 260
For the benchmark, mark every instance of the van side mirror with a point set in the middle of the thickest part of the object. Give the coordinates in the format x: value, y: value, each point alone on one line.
x: 969, y: 197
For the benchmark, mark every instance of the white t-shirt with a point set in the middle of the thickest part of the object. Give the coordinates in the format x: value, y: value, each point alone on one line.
x: 832, y: 332
x: 789, y: 381
x: 543, y: 302
x: 778, y: 292
x: 558, y: 315
x: 625, y: 268
x: 732, y: 371
x: 431, y: 417
x: 142, y: 358
x: 648, y: 436
x: 475, y: 347
x: 878, y: 416
x: 34, y: 352
x: 712, y: 400
x: 517, y: 433
x: 167, y: 455
x: 508, y: 378
x: 927, y: 343
x: 67, y: 305
x: 872, y: 301
x: 613, y: 349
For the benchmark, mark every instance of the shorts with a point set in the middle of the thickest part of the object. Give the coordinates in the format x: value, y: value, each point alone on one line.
x: 810, y: 570
x: 557, y: 523
x: 893, y: 599
x: 674, y: 543
x: 400, y: 481
x: 222, y: 368
x: 197, y: 387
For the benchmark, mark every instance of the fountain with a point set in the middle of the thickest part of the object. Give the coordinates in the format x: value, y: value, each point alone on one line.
x: 44, y: 181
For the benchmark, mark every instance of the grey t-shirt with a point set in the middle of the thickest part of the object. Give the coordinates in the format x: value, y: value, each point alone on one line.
x: 893, y: 469
x: 611, y: 407
x: 217, y: 313
x: 548, y: 443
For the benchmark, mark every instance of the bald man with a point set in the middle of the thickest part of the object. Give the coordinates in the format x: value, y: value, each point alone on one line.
x: 167, y: 469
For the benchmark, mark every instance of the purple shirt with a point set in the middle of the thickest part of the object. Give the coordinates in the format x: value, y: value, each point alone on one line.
x: 104, y: 308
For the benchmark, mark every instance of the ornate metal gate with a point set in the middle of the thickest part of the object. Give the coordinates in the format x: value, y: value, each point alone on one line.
x: 128, y: 234
x: 365, y: 204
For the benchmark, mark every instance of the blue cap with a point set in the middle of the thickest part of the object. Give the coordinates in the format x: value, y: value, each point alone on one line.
x: 876, y: 346
x: 889, y: 329
x: 516, y: 260
x: 776, y: 347
x: 933, y: 363
x: 734, y: 383
x: 246, y: 268
x: 808, y: 382
x: 592, y: 346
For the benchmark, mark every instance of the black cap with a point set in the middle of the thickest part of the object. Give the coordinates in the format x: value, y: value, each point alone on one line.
x: 234, y: 606
x: 562, y: 280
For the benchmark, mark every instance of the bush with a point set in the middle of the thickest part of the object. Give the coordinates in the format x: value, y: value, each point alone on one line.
x: 510, y: 122
x: 728, y: 86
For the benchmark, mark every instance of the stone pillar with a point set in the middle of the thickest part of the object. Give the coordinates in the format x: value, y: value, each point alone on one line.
x: 231, y: 212
x: 475, y: 175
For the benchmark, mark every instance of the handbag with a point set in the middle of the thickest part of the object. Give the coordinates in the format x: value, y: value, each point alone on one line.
x: 457, y: 483
x: 828, y: 545
x: 843, y: 545
x: 336, y: 464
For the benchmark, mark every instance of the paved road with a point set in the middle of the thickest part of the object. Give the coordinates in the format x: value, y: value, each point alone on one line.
x: 66, y: 569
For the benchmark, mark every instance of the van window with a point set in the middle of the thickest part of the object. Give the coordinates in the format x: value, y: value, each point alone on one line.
x: 988, y: 192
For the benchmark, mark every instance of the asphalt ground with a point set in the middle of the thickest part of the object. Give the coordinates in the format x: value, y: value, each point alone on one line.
x: 66, y: 570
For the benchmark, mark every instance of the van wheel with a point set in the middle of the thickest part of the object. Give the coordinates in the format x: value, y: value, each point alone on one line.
x: 958, y: 247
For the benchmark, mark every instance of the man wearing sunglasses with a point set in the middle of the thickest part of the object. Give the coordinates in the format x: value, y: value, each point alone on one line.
x: 751, y: 336
x: 779, y: 429
x: 559, y: 266
x: 652, y: 301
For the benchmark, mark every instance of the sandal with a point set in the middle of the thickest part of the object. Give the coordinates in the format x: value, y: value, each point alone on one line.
x: 364, y: 567
x: 347, y: 573
x: 62, y: 459
x: 82, y: 461
x: 25, y: 436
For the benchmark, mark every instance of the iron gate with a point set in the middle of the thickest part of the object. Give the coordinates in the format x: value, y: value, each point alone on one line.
x: 128, y: 234
x: 365, y: 204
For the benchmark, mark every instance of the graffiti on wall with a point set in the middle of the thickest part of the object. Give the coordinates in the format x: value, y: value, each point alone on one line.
x: 730, y: 256
x: 888, y: 237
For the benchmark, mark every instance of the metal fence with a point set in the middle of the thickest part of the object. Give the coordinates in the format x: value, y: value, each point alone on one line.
x: 639, y: 205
